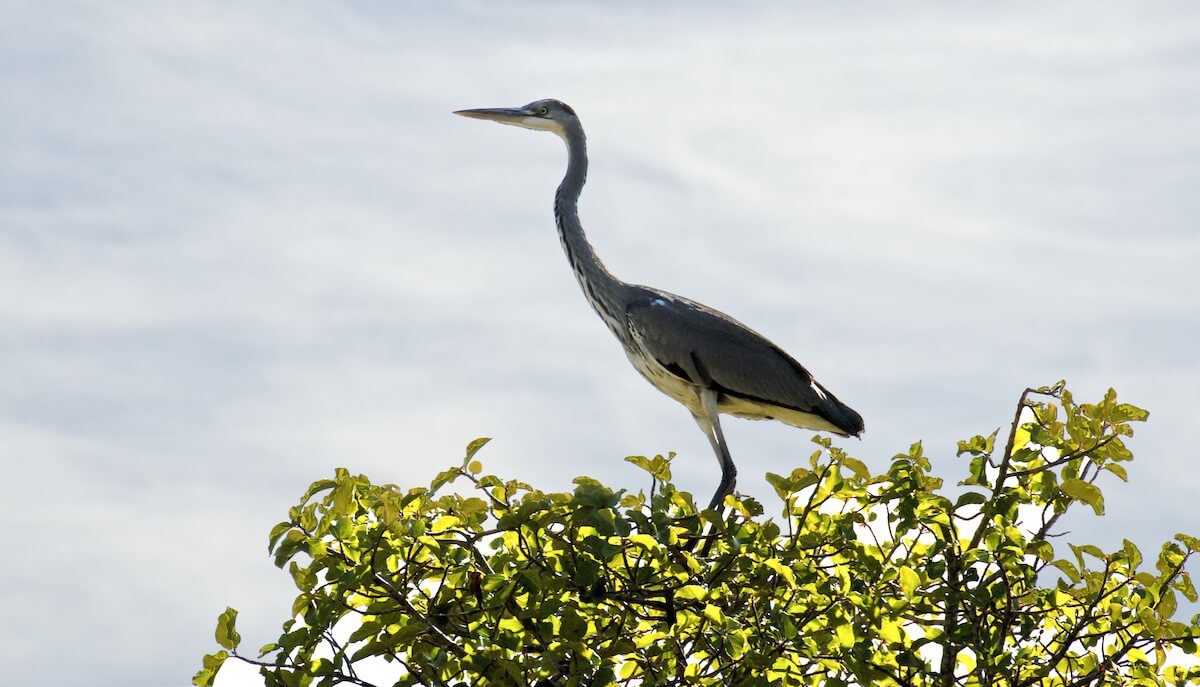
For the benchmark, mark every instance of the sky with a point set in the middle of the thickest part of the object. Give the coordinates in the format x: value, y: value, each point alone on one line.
x: 244, y: 244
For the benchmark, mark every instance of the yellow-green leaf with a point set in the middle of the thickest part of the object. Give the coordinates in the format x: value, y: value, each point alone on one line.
x: 472, y: 506
x: 1192, y: 543
x: 890, y: 631
x: 714, y: 614
x: 909, y: 581
x: 1068, y: 568
x: 343, y: 494
x: 646, y: 541
x: 227, y: 636
x: 212, y: 665
x: 856, y: 466
x: 1084, y: 491
x: 474, y: 446
x: 444, y: 523
x: 845, y: 635
x: 1021, y: 438
x: 783, y: 571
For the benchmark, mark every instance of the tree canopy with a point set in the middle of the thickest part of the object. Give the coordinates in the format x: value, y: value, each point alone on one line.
x: 856, y: 578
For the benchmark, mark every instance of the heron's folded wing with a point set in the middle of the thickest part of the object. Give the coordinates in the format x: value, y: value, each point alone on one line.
x: 712, y: 349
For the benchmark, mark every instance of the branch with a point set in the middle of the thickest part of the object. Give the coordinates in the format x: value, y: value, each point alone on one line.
x: 953, y: 568
x: 1002, y: 475
x: 1066, y: 457
x: 1073, y: 634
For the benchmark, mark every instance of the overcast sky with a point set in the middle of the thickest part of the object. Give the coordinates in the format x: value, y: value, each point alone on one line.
x: 243, y: 244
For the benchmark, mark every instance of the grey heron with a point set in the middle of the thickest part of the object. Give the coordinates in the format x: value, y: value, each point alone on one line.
x: 706, y: 360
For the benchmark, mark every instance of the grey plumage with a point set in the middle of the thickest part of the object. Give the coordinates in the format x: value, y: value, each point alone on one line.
x: 706, y: 360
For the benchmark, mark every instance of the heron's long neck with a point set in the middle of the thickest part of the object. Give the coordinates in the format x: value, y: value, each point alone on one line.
x: 600, y: 287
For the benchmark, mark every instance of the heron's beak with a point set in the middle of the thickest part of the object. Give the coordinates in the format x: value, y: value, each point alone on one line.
x: 504, y: 115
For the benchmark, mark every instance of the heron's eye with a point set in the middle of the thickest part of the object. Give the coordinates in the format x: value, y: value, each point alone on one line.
x: 543, y: 110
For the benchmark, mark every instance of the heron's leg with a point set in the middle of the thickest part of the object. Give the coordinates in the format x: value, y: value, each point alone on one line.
x: 710, y: 422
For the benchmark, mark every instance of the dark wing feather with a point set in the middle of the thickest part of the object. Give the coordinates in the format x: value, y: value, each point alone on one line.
x: 711, y: 349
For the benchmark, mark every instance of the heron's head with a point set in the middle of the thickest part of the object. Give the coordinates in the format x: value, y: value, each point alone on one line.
x: 547, y: 115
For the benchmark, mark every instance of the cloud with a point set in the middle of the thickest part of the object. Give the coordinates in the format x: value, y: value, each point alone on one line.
x: 242, y: 246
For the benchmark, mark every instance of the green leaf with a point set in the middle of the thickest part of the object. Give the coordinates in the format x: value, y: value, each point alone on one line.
x: 343, y: 495
x: 212, y: 665
x: 1192, y: 543
x: 845, y: 635
x: 856, y: 466
x: 970, y: 498
x: 641, y: 461
x: 783, y: 485
x: 891, y: 631
x: 1130, y: 413
x: 574, y: 626
x: 471, y: 506
x: 318, y: 486
x: 916, y: 453
x: 782, y: 570
x: 1150, y: 622
x: 1040, y: 548
x: 1069, y: 569
x: 909, y: 581
x: 1184, y: 585
x: 227, y: 636
x: 1021, y: 438
x: 499, y: 583
x: 473, y: 448
x: 1166, y: 604
x: 277, y: 532
x: 714, y: 614
x: 1132, y: 554
x: 591, y: 493
x: 1089, y: 549
x: 405, y: 635
x: 442, y: 478
x: 1084, y: 491
x: 660, y: 467
x: 978, y: 444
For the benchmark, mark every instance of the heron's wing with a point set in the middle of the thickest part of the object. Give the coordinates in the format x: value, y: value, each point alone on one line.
x: 709, y: 348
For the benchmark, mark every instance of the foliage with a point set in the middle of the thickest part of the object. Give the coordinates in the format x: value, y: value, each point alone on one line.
x: 863, y: 579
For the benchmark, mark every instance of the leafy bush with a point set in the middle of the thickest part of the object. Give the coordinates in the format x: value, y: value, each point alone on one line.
x: 862, y: 579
